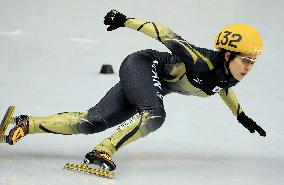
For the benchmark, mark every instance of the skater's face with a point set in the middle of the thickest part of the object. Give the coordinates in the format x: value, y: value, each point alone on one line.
x: 241, y: 65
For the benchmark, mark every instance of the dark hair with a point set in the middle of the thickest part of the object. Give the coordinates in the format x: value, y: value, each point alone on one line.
x: 231, y: 57
x: 233, y: 54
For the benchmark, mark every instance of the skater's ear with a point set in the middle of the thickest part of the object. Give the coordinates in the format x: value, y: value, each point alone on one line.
x: 227, y: 56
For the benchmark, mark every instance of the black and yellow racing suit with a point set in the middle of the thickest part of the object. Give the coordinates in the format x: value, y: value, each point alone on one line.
x: 145, y: 78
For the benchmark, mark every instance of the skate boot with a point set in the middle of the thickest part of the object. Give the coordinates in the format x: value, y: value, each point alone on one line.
x: 101, y: 159
x: 19, y: 131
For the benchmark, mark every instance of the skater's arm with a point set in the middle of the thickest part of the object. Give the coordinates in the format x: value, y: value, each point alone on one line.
x: 230, y: 99
x: 175, y: 43
x: 115, y: 19
x: 187, y: 52
x: 156, y: 31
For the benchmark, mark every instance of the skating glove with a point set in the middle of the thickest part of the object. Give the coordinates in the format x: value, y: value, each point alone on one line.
x: 114, y: 19
x: 249, y: 124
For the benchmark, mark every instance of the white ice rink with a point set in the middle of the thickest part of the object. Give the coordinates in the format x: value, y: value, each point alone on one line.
x: 51, y: 52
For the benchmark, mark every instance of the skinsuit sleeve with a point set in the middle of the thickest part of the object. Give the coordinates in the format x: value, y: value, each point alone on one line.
x: 231, y: 101
x: 175, y: 43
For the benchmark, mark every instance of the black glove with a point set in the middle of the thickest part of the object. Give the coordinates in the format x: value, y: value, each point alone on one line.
x: 249, y: 124
x: 114, y: 19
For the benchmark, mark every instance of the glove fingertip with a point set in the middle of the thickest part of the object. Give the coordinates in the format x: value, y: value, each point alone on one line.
x: 106, y: 22
x: 263, y: 134
x: 110, y: 28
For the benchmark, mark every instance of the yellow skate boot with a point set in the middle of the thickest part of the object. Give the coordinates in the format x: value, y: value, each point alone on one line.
x: 19, y: 131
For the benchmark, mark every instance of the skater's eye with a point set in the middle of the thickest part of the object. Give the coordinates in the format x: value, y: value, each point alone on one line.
x: 247, y: 60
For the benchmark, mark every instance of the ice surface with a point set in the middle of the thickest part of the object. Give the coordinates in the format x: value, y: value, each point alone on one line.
x: 50, y: 56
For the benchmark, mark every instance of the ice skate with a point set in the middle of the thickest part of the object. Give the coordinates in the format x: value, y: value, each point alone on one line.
x: 19, y: 131
x: 101, y: 161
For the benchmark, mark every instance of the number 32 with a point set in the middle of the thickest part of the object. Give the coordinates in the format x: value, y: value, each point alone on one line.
x: 227, y: 41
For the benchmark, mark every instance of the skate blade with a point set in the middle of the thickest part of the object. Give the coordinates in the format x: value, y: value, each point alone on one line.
x: 86, y: 169
x: 5, y: 122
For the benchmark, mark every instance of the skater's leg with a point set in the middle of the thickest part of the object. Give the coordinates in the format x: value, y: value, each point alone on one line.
x: 65, y: 123
x: 137, y: 127
x: 62, y: 123
x: 143, y: 89
x: 113, y: 109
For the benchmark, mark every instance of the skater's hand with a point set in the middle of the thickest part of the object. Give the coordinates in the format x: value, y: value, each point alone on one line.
x: 114, y: 19
x: 249, y: 124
